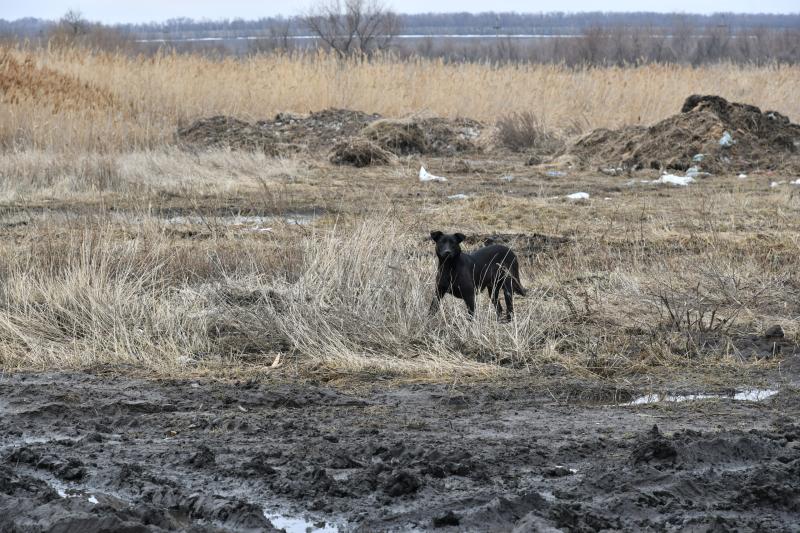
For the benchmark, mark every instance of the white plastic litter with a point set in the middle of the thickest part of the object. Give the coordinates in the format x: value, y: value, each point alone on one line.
x: 726, y: 140
x: 507, y: 178
x: 458, y: 197
x: 92, y: 499
x: 695, y: 172
x: 776, y: 183
x: 612, y: 171
x: 578, y: 196
x: 672, y: 179
x: 698, y: 158
x: 795, y: 182
x: 556, y: 173
x: 742, y: 176
x: 424, y: 175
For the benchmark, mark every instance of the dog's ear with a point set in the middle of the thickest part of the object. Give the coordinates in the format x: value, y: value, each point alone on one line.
x: 460, y: 237
x: 436, y: 235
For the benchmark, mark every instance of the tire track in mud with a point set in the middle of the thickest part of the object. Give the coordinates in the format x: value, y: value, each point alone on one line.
x: 90, y: 453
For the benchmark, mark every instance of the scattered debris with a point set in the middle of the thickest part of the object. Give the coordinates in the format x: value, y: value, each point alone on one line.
x: 726, y: 140
x: 672, y: 179
x: 578, y: 196
x: 610, y: 171
x: 556, y: 173
x: 795, y: 182
x: 742, y: 176
x: 459, y: 196
x: 424, y: 175
x: 695, y: 172
x: 698, y: 158
x: 508, y: 178
x: 777, y: 183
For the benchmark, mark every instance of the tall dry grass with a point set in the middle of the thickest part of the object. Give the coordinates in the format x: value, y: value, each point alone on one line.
x: 70, y: 98
x: 356, y: 299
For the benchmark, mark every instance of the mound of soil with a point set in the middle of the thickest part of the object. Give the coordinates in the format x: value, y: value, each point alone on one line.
x: 360, y: 153
x: 449, y: 137
x: 286, y: 133
x: 228, y: 132
x: 400, y: 137
x: 430, y: 136
x: 320, y: 130
x: 760, y: 140
x: 358, y: 138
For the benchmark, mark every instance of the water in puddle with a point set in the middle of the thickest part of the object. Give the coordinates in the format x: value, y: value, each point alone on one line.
x: 242, y: 220
x: 752, y: 395
x: 293, y: 524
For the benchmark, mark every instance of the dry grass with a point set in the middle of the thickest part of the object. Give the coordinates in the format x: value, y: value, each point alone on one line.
x: 84, y: 285
x: 119, y: 248
x: 65, y: 98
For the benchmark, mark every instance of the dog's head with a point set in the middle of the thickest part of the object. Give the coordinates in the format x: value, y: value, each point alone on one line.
x: 448, y: 246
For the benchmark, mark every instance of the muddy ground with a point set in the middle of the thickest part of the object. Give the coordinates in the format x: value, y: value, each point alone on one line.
x: 97, y: 452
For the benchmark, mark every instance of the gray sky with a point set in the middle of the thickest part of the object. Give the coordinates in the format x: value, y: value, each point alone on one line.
x: 158, y: 10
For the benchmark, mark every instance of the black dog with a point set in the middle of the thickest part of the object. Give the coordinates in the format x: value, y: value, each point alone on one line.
x: 463, y: 275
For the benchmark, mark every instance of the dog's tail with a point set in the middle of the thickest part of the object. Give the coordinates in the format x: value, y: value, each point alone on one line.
x: 516, y: 286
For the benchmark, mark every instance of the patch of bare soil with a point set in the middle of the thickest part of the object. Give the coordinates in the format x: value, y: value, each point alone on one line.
x: 81, y: 452
x: 757, y: 140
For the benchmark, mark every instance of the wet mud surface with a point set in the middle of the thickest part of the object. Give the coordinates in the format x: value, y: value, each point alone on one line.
x: 86, y: 452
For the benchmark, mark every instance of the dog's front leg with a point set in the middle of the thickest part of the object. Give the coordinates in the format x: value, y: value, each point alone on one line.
x: 436, y: 300
x: 469, y: 299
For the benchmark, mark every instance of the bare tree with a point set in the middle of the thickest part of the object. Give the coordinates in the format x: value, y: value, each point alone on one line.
x: 352, y: 27
x: 74, y: 22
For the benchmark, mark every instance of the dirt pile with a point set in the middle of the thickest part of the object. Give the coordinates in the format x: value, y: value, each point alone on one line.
x: 355, y: 138
x: 711, y: 133
x: 428, y: 136
x: 317, y: 131
x: 227, y: 132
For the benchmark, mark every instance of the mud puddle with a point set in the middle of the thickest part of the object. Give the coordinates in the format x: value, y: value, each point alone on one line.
x: 291, y: 524
x: 254, y: 223
x: 506, y: 456
x: 751, y: 395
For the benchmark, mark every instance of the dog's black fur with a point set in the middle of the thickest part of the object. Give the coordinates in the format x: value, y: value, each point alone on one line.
x: 463, y: 275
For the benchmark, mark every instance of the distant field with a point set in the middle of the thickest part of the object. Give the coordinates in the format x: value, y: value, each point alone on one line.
x: 67, y: 99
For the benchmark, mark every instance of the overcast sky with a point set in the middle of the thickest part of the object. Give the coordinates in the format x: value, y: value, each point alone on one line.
x: 158, y: 10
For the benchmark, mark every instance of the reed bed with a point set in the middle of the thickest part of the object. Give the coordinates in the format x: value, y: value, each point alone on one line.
x: 62, y: 98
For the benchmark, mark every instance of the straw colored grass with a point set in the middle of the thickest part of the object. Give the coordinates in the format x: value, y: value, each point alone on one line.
x: 61, y: 98
x: 118, y: 247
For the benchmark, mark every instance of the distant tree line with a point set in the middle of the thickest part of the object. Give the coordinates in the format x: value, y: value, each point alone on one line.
x: 574, y: 38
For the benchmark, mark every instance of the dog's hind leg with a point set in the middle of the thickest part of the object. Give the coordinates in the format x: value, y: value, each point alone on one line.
x: 494, y: 291
x: 508, y: 293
